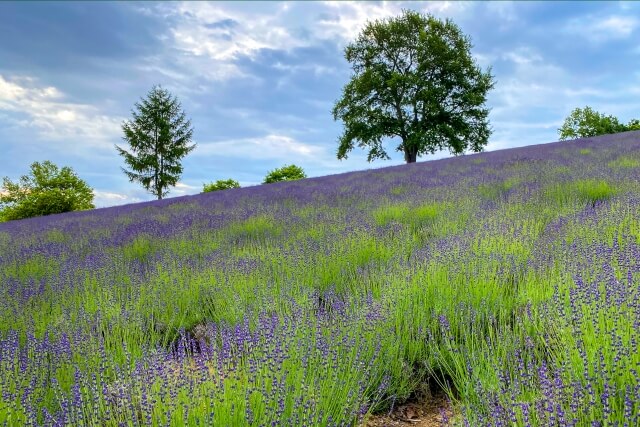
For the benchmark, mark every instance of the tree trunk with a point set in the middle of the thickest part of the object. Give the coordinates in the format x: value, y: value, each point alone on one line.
x: 156, y: 172
x: 410, y: 155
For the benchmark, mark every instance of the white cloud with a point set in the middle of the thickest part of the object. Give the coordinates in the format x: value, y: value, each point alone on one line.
x: 534, y: 82
x: 209, y: 29
x: 270, y: 146
x: 505, y: 11
x: 616, y: 26
x: 316, y: 69
x: 599, y: 29
x: 212, y: 37
x: 183, y: 186
x: 530, y: 101
x: 45, y: 109
x: 108, y: 198
x: 346, y: 19
x: 182, y: 189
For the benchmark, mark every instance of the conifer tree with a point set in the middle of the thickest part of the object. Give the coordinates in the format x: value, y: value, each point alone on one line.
x: 159, y: 137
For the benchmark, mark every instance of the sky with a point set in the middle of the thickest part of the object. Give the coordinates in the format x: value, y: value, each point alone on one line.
x: 258, y: 80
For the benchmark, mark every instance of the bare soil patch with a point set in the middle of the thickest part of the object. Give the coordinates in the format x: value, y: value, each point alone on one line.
x: 427, y: 411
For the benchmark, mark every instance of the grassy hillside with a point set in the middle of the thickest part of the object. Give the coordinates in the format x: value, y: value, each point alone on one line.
x: 509, y: 279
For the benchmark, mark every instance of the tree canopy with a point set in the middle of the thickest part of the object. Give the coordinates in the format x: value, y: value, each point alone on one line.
x: 159, y: 137
x: 634, y: 124
x: 413, y: 79
x: 46, y: 190
x: 285, y: 173
x: 586, y: 122
x: 221, y: 184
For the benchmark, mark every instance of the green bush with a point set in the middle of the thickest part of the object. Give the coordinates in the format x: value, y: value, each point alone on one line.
x: 285, y: 173
x: 46, y: 190
x: 585, y: 122
x: 221, y: 184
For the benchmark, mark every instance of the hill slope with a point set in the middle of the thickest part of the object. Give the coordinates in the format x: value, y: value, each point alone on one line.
x: 509, y: 279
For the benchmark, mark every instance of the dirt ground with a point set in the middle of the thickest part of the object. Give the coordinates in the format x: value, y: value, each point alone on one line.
x: 423, y: 413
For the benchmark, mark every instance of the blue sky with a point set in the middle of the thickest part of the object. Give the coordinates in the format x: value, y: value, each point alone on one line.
x: 258, y: 80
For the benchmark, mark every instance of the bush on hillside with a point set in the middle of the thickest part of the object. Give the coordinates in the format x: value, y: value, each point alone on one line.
x: 221, y: 184
x: 46, y: 190
x: 586, y: 122
x: 285, y: 173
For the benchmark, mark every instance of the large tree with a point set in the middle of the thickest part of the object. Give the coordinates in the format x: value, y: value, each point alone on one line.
x: 46, y: 190
x: 159, y: 136
x: 413, y: 79
x: 586, y: 122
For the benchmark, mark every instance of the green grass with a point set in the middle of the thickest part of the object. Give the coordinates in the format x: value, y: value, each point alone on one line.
x: 497, y: 190
x: 624, y: 162
x: 588, y: 191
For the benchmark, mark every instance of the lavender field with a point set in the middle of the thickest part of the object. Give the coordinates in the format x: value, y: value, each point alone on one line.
x: 508, y: 279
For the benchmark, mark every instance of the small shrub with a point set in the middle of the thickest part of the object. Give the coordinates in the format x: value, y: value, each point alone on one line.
x: 221, y: 184
x: 585, y: 151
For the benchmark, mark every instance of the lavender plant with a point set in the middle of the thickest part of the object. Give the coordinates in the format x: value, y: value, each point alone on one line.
x: 508, y: 279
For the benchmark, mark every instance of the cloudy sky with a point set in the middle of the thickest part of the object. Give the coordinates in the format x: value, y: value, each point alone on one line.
x: 258, y: 80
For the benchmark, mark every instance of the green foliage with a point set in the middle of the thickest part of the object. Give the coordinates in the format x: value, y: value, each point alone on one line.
x: 256, y: 228
x: 496, y: 190
x: 584, y: 191
x: 634, y: 124
x: 624, y: 162
x: 221, y: 184
x: 594, y: 190
x: 401, y: 189
x: 414, y: 79
x: 415, y: 216
x: 159, y: 136
x: 285, y: 173
x: 46, y: 190
x: 585, y: 122
x: 139, y: 249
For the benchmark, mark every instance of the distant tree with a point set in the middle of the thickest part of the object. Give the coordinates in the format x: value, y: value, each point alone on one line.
x: 285, y: 173
x: 414, y: 79
x: 634, y: 124
x: 221, y: 184
x: 159, y: 136
x: 46, y: 190
x: 585, y: 122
